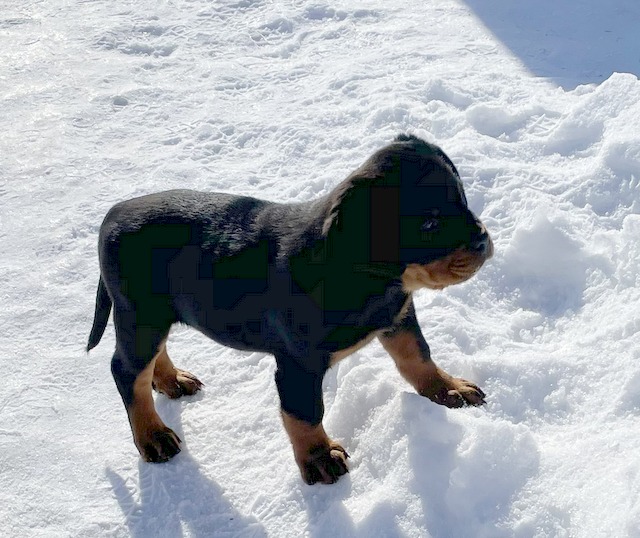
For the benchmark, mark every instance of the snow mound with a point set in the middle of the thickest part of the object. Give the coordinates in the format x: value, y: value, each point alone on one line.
x: 546, y: 268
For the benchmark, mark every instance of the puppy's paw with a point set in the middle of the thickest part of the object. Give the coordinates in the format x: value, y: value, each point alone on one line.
x: 188, y: 383
x: 324, y: 464
x: 454, y: 392
x: 159, y: 446
x: 183, y: 383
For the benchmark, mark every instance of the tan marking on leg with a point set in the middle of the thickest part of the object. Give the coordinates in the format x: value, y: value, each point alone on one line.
x: 164, y: 373
x: 319, y: 458
x: 426, y: 377
x: 169, y: 380
x: 418, y: 370
x: 304, y: 437
x: 155, y: 441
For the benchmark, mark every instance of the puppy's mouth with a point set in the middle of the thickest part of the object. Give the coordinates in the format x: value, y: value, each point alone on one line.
x: 454, y: 268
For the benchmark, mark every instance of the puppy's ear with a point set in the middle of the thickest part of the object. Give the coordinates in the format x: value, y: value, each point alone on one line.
x: 419, y: 158
x: 365, y: 224
x: 385, y: 223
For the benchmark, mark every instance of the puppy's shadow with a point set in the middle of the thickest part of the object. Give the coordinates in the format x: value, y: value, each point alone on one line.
x: 176, y: 495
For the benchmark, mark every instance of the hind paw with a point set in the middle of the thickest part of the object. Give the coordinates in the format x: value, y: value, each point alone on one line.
x: 182, y: 383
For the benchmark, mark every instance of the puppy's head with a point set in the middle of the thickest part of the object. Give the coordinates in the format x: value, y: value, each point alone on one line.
x: 406, y: 207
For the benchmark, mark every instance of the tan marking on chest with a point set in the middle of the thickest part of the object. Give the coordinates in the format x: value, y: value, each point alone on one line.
x: 403, y: 311
x: 344, y: 353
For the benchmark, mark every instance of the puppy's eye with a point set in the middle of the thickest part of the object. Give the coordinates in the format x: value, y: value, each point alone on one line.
x: 431, y: 221
x: 430, y: 224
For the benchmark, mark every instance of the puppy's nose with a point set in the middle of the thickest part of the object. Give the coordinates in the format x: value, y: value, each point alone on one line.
x: 482, y: 243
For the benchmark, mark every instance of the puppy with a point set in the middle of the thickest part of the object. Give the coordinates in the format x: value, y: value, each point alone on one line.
x: 309, y: 283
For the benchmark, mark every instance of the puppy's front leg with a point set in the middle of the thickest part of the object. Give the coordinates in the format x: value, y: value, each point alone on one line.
x: 410, y: 351
x: 319, y: 458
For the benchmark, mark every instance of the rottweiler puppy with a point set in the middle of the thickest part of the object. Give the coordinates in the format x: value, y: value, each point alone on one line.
x: 309, y: 283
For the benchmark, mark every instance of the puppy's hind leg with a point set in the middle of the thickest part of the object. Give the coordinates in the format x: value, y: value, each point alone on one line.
x: 133, y: 365
x: 171, y: 381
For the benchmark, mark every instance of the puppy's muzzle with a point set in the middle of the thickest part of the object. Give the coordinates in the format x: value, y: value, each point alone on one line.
x: 456, y: 267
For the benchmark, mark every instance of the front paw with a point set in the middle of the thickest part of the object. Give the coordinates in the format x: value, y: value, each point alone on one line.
x: 158, y: 446
x: 454, y: 392
x: 324, y: 464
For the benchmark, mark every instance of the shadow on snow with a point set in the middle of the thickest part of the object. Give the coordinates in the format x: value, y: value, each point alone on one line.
x: 571, y: 43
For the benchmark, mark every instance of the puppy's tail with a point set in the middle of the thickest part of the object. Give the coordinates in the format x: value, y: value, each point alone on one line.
x: 101, y: 317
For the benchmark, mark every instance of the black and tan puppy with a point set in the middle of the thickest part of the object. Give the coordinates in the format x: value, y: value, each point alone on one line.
x: 309, y: 283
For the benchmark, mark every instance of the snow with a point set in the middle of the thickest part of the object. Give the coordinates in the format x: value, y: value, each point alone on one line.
x: 538, y: 106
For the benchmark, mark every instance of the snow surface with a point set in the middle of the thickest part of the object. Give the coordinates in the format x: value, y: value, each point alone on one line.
x: 102, y: 101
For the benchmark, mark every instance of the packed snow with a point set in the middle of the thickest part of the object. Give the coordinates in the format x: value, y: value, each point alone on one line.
x: 539, y: 107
